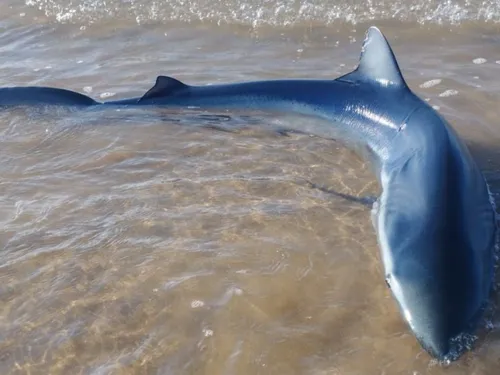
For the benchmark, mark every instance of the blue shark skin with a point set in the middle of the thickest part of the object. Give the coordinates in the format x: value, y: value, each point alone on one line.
x: 34, y: 96
x: 435, y: 222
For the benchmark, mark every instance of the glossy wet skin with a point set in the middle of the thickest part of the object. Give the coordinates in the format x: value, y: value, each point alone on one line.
x: 436, y: 230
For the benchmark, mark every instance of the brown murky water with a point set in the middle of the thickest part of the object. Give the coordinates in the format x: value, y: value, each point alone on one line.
x: 148, y: 241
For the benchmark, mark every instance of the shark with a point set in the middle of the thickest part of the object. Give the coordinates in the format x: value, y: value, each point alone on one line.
x: 435, y: 220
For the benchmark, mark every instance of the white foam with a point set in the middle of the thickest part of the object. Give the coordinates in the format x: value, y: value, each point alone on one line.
x: 448, y: 93
x: 258, y: 12
x: 208, y: 332
x: 107, y: 94
x: 197, y: 303
x: 479, y: 60
x: 431, y: 83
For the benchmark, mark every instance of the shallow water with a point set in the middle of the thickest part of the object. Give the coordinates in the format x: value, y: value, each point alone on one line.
x: 149, y: 241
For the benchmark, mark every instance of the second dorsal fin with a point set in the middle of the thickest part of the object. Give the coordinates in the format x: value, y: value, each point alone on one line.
x: 377, y: 62
x: 164, y: 86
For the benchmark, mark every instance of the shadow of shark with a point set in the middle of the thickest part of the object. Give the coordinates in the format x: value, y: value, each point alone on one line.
x: 435, y: 220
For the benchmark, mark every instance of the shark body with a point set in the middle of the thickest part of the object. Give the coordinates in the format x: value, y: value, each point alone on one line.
x: 435, y: 222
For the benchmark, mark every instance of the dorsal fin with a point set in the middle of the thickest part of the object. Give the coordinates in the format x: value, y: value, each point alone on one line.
x: 164, y: 86
x: 377, y: 62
